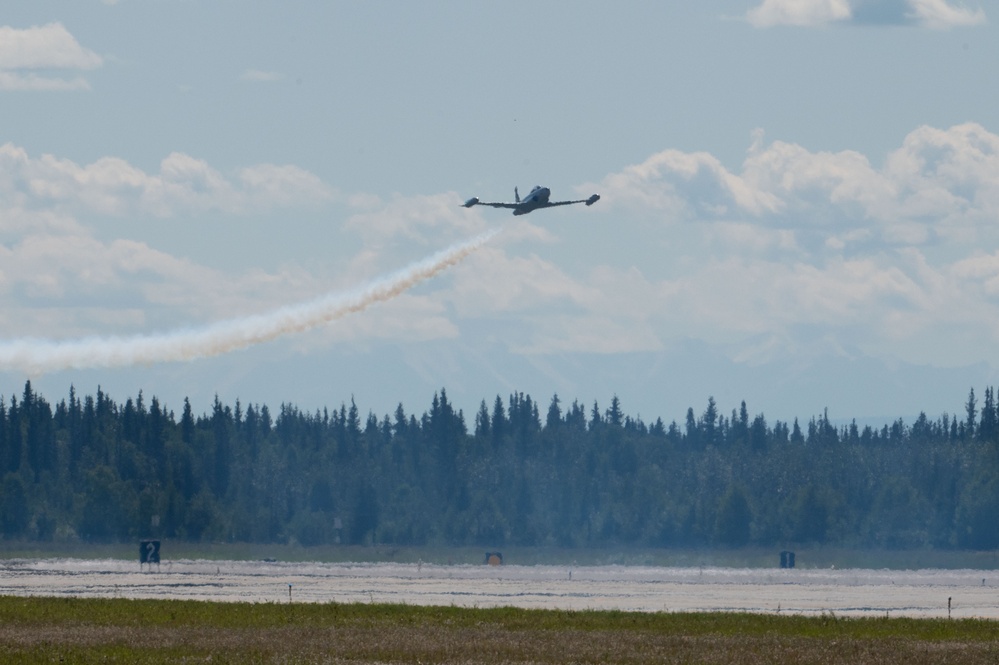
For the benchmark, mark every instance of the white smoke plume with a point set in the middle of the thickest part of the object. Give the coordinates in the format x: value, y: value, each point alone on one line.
x: 41, y: 355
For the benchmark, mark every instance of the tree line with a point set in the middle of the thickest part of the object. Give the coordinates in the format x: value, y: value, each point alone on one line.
x: 515, y: 473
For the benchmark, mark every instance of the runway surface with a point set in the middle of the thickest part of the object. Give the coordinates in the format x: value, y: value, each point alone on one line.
x: 920, y: 593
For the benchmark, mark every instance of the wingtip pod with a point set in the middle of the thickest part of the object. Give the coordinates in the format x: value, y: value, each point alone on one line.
x: 470, y: 202
x: 593, y: 199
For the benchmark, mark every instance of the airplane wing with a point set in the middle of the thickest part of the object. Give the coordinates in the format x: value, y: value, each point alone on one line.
x: 474, y: 201
x: 495, y: 205
x: 590, y: 201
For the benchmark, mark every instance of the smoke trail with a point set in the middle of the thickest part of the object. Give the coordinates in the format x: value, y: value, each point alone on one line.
x: 39, y: 355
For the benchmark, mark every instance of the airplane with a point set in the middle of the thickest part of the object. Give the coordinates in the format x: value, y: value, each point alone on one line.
x: 538, y: 198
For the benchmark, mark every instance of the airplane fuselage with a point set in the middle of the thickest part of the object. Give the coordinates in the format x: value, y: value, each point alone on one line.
x: 537, y: 198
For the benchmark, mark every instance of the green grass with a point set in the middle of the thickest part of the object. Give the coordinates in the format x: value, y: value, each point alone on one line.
x: 157, y: 631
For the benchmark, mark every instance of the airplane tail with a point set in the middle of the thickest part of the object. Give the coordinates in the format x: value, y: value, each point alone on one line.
x: 516, y: 195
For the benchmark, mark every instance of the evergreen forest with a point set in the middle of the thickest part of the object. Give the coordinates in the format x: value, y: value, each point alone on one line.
x: 515, y: 473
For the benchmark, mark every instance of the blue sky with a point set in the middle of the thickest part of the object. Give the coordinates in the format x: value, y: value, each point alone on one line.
x: 800, y: 198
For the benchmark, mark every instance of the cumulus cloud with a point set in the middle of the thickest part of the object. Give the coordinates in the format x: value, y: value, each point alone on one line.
x: 798, y: 12
x: 687, y: 183
x: 411, y: 218
x: 184, y: 183
x: 940, y: 182
x: 47, y: 47
x: 65, y: 282
x: 940, y: 14
x: 792, y: 249
x: 533, y: 306
x: 57, y: 274
x: 937, y: 14
x: 800, y: 247
x: 15, y: 221
x: 793, y: 243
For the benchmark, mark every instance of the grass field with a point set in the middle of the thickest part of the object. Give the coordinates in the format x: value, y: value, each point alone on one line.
x: 46, y: 630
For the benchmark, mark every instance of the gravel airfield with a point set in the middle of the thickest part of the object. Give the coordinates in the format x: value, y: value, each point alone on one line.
x: 848, y: 592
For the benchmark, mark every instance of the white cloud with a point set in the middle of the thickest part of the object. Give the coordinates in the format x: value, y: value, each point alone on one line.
x: 413, y: 318
x: 412, y: 218
x: 799, y: 179
x: 47, y: 47
x: 261, y: 76
x: 884, y: 271
x: 687, y: 183
x: 938, y: 183
x: 800, y: 245
x: 756, y: 306
x: 534, y: 307
x: 795, y: 248
x: 55, y: 275
x: 16, y: 221
x: 71, y: 284
x: 798, y: 12
x: 58, y: 278
x: 937, y: 14
x: 892, y: 303
x: 282, y: 185
x: 15, y: 81
x: 746, y: 236
x: 494, y: 283
x: 184, y: 183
